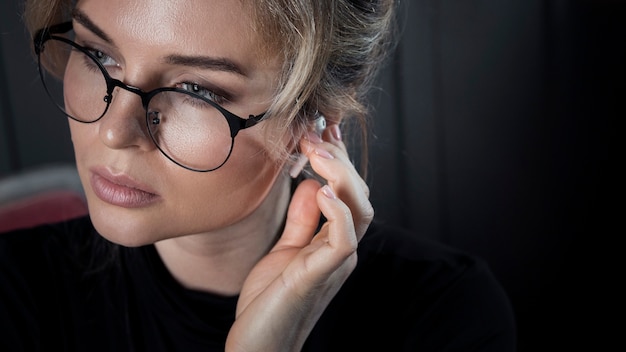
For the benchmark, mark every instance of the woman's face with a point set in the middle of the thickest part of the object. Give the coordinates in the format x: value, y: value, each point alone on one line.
x: 135, y: 194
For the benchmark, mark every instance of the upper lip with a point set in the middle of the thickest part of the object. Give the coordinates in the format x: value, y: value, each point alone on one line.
x: 121, y: 179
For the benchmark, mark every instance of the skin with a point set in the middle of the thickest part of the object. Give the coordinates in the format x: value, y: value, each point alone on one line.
x: 219, y: 231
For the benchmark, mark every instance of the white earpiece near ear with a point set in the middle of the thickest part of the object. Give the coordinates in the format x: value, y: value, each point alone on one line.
x: 318, y: 126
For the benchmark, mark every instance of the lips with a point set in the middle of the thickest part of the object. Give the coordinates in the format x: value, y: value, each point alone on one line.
x: 121, y: 190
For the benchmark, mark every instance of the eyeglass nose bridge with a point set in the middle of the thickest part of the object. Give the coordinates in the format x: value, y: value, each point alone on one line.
x: 112, y: 83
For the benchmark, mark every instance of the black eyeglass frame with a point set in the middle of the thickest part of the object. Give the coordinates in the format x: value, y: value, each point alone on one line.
x: 235, y: 122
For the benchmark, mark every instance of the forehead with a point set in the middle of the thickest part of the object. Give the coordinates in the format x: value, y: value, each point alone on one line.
x: 204, y: 27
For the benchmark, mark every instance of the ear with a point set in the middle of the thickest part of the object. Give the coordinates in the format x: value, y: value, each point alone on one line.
x: 301, y: 126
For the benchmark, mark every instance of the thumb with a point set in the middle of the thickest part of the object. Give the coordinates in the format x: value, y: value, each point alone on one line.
x: 303, y: 216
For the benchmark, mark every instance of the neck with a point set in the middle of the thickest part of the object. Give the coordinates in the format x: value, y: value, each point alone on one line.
x: 220, y: 261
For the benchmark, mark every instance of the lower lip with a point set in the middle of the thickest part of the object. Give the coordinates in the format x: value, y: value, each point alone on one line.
x: 119, y: 195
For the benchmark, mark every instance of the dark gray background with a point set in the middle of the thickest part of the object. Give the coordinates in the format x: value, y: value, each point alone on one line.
x: 495, y: 128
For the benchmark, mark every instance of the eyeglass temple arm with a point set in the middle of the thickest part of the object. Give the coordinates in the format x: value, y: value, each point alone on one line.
x: 252, y: 120
x: 45, y: 33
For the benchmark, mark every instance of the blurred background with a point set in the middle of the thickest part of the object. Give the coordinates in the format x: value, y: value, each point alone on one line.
x: 495, y: 131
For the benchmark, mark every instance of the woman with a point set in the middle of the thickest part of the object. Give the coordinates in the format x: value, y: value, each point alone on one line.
x: 189, y: 121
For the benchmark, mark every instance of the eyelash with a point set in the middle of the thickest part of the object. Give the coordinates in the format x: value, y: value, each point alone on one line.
x: 100, y: 56
x: 211, y: 94
x: 195, y: 88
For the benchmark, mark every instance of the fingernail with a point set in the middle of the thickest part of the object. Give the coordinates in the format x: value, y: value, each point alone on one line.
x: 336, y: 132
x: 323, y: 153
x: 328, y: 192
x: 297, y: 167
x: 314, y: 138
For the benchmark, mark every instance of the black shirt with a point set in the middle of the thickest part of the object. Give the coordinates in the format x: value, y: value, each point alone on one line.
x: 65, y: 288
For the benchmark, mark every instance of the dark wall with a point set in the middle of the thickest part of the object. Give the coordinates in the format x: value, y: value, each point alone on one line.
x: 31, y: 132
x: 494, y: 131
x: 496, y: 134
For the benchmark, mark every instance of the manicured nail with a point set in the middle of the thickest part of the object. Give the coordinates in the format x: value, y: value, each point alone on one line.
x: 297, y: 167
x: 336, y: 132
x: 328, y: 192
x: 323, y: 153
x: 314, y: 138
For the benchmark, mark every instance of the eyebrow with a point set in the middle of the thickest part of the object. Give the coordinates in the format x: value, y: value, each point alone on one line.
x: 202, y: 62
x: 205, y: 62
x: 83, y: 19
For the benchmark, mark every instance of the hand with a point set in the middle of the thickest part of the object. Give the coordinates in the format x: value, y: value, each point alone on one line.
x: 289, y: 289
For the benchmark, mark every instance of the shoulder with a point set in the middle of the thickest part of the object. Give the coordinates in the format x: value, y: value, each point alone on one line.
x: 43, y: 256
x: 50, y: 244
x: 389, y: 239
x: 65, y: 252
x: 27, y: 243
x: 48, y: 280
x: 408, y: 257
x: 423, y: 295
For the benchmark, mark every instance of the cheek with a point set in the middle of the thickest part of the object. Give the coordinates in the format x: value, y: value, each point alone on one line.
x: 78, y: 134
x: 209, y: 201
x: 81, y: 142
x: 84, y: 136
x: 80, y: 91
x: 249, y: 172
x: 194, y: 202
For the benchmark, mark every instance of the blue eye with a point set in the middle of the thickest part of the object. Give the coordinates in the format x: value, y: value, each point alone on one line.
x: 102, y: 57
x: 202, y: 91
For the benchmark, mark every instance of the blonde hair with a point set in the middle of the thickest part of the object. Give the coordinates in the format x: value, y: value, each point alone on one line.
x: 330, y: 53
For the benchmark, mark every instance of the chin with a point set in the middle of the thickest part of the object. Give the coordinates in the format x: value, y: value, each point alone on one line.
x: 122, y: 233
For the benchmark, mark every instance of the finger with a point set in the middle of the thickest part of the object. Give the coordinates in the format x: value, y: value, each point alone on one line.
x: 337, y: 241
x: 332, y: 134
x: 326, y: 255
x: 339, y: 218
x: 332, y: 163
x: 332, y: 137
x: 303, y: 216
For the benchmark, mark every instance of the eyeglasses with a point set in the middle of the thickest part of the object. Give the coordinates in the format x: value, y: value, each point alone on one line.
x: 185, y: 123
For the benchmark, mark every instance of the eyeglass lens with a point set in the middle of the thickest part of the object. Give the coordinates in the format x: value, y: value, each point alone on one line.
x: 187, y: 129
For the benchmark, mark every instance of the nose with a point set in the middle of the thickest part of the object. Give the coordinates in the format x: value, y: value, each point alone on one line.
x: 123, y: 125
